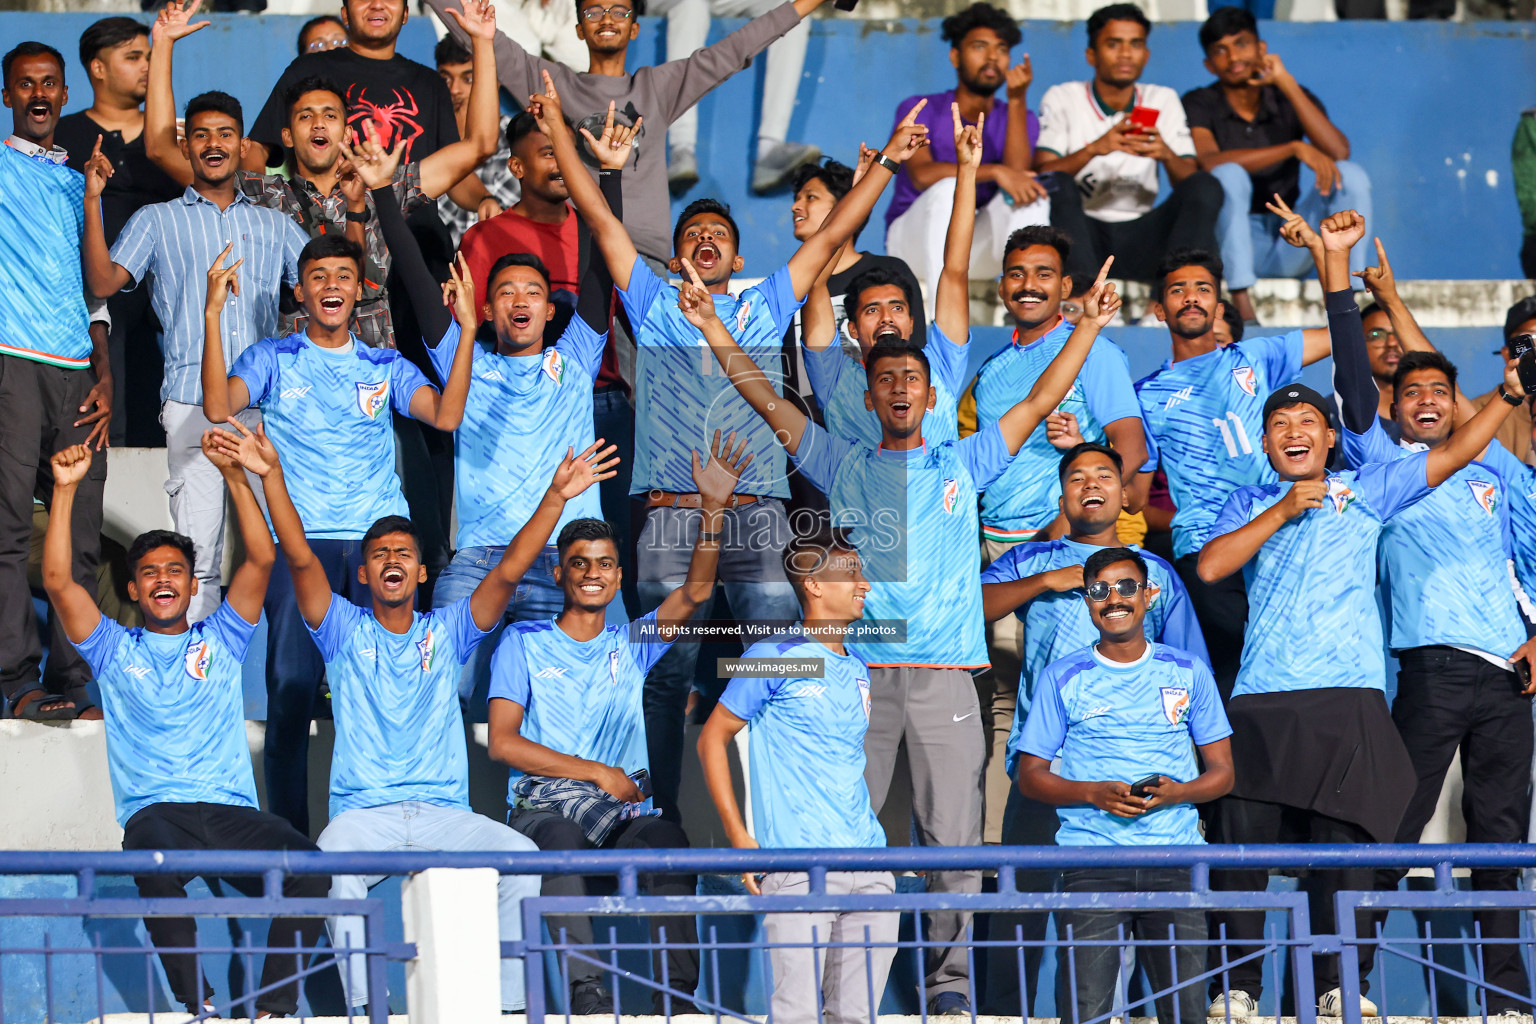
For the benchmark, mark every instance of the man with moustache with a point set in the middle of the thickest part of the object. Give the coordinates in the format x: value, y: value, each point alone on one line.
x: 1026, y: 498
x: 1201, y: 412
x: 55, y: 376
x: 173, y: 244
x: 115, y: 53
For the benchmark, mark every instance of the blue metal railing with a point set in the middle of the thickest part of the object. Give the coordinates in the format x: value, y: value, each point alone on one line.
x: 1291, y: 951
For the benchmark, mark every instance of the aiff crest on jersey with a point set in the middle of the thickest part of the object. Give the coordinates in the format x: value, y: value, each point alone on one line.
x: 1175, y: 703
x: 197, y: 659
x: 372, y: 397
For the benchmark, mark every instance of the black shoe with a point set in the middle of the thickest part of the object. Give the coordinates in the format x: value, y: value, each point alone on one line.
x: 949, y: 1004
x: 588, y: 996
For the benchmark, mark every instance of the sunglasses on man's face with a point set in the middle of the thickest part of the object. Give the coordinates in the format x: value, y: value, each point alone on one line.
x: 1098, y: 590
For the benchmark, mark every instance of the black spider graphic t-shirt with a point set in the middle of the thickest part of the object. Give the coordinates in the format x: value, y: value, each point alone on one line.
x: 405, y: 99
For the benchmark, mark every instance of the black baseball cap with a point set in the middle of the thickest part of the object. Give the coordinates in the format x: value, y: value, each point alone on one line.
x: 1294, y: 394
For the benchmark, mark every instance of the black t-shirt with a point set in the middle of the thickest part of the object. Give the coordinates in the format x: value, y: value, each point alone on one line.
x: 405, y: 99
x: 1275, y: 124
x: 136, y: 182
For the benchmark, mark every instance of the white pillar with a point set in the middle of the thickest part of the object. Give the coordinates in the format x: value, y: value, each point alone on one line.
x: 450, y: 914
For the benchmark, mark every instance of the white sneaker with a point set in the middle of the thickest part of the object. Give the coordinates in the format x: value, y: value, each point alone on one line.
x: 1235, y: 1003
x: 1331, y: 1004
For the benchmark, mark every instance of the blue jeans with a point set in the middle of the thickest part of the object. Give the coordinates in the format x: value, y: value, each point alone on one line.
x: 412, y: 825
x: 1251, y: 246
x: 751, y: 573
x: 294, y: 671
x: 536, y: 597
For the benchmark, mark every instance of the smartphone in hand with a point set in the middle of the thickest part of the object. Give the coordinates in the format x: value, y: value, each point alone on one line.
x: 642, y: 780
x: 1144, y: 118
x: 1140, y: 787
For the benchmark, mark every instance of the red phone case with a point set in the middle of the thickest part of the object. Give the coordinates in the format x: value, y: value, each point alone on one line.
x: 1144, y: 118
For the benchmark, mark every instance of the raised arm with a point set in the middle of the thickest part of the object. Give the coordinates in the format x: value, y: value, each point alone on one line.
x: 75, y: 606
x: 787, y: 421
x: 255, y: 452
x: 952, y: 301
x: 714, y: 740
x: 1468, y: 440
x: 606, y: 228
x: 453, y: 163
x: 248, y: 588
x: 594, y: 296
x: 445, y: 409
x: 818, y: 320
x: 1383, y: 288
x: 1099, y: 307
x: 160, y: 144
x: 223, y: 395
x: 574, y: 474
x: 853, y: 209
x: 716, y: 480
x: 102, y: 276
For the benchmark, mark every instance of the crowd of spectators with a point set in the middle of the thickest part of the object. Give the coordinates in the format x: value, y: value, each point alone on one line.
x: 1082, y: 604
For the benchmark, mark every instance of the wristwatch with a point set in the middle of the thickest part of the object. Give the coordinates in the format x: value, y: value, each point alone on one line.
x: 887, y: 163
x: 1511, y: 399
x: 359, y: 218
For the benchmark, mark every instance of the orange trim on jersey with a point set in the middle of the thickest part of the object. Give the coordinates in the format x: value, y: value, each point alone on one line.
x: 1059, y: 320
x: 39, y: 356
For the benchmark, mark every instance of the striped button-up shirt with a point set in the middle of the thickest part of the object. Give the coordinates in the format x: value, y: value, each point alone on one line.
x: 177, y: 242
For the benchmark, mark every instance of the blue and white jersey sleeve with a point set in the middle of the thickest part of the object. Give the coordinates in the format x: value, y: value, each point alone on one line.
x: 447, y: 349
x: 99, y: 648
x: 134, y: 249
x: 509, y: 670
x: 1207, y: 719
x: 1005, y: 568
x: 985, y: 454
x: 948, y: 360
x: 341, y: 621
x: 820, y: 454
x: 232, y: 629
x: 646, y: 652
x: 1280, y: 355
x: 404, y: 379
x: 1237, y: 512
x: 460, y: 620
x: 643, y: 291
x: 825, y: 369
x: 257, y: 369
x: 1180, y: 627
x: 778, y: 294
x: 1107, y: 386
x: 582, y: 345
x: 1045, y: 730
x: 746, y: 697
x: 1390, y: 487
x: 1372, y: 446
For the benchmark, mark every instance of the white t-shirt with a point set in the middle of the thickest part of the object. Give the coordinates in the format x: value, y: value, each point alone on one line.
x: 1118, y: 186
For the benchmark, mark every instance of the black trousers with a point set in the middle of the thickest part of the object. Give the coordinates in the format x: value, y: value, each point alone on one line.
x: 40, y: 404
x: 1222, y: 611
x: 1449, y: 700
x: 1187, y: 218
x: 168, y: 826
x: 552, y: 831
x: 1235, y: 820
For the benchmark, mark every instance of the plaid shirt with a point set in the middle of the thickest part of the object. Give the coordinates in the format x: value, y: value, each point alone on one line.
x: 582, y: 802
x: 498, y: 181
x: 319, y: 215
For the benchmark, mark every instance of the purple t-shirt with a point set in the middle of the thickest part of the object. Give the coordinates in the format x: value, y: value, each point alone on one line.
x: 941, y: 143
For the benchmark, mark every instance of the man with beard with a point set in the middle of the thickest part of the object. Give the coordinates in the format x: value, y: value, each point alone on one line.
x: 172, y: 244
x: 1313, y: 674
x: 1007, y: 196
x: 679, y: 401
x: 1105, y: 139
x: 326, y: 398
x: 55, y: 377
x: 1202, y: 413
x: 882, y: 308
x: 115, y: 53
x: 1456, y: 627
x: 1026, y: 498
x: 324, y: 195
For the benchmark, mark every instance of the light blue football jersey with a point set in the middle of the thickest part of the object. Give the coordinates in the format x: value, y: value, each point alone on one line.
x: 1204, y: 419
x: 1057, y: 624
x: 682, y: 396
x: 1312, y: 613
x: 175, y: 712
x: 522, y: 415
x: 395, y: 697
x: 912, y: 515
x: 1023, y: 500
x: 1520, y: 482
x: 806, y: 749
x: 1445, y: 561
x: 42, y: 286
x: 328, y: 413
x: 582, y: 698
x: 840, y: 382
x: 1116, y: 722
